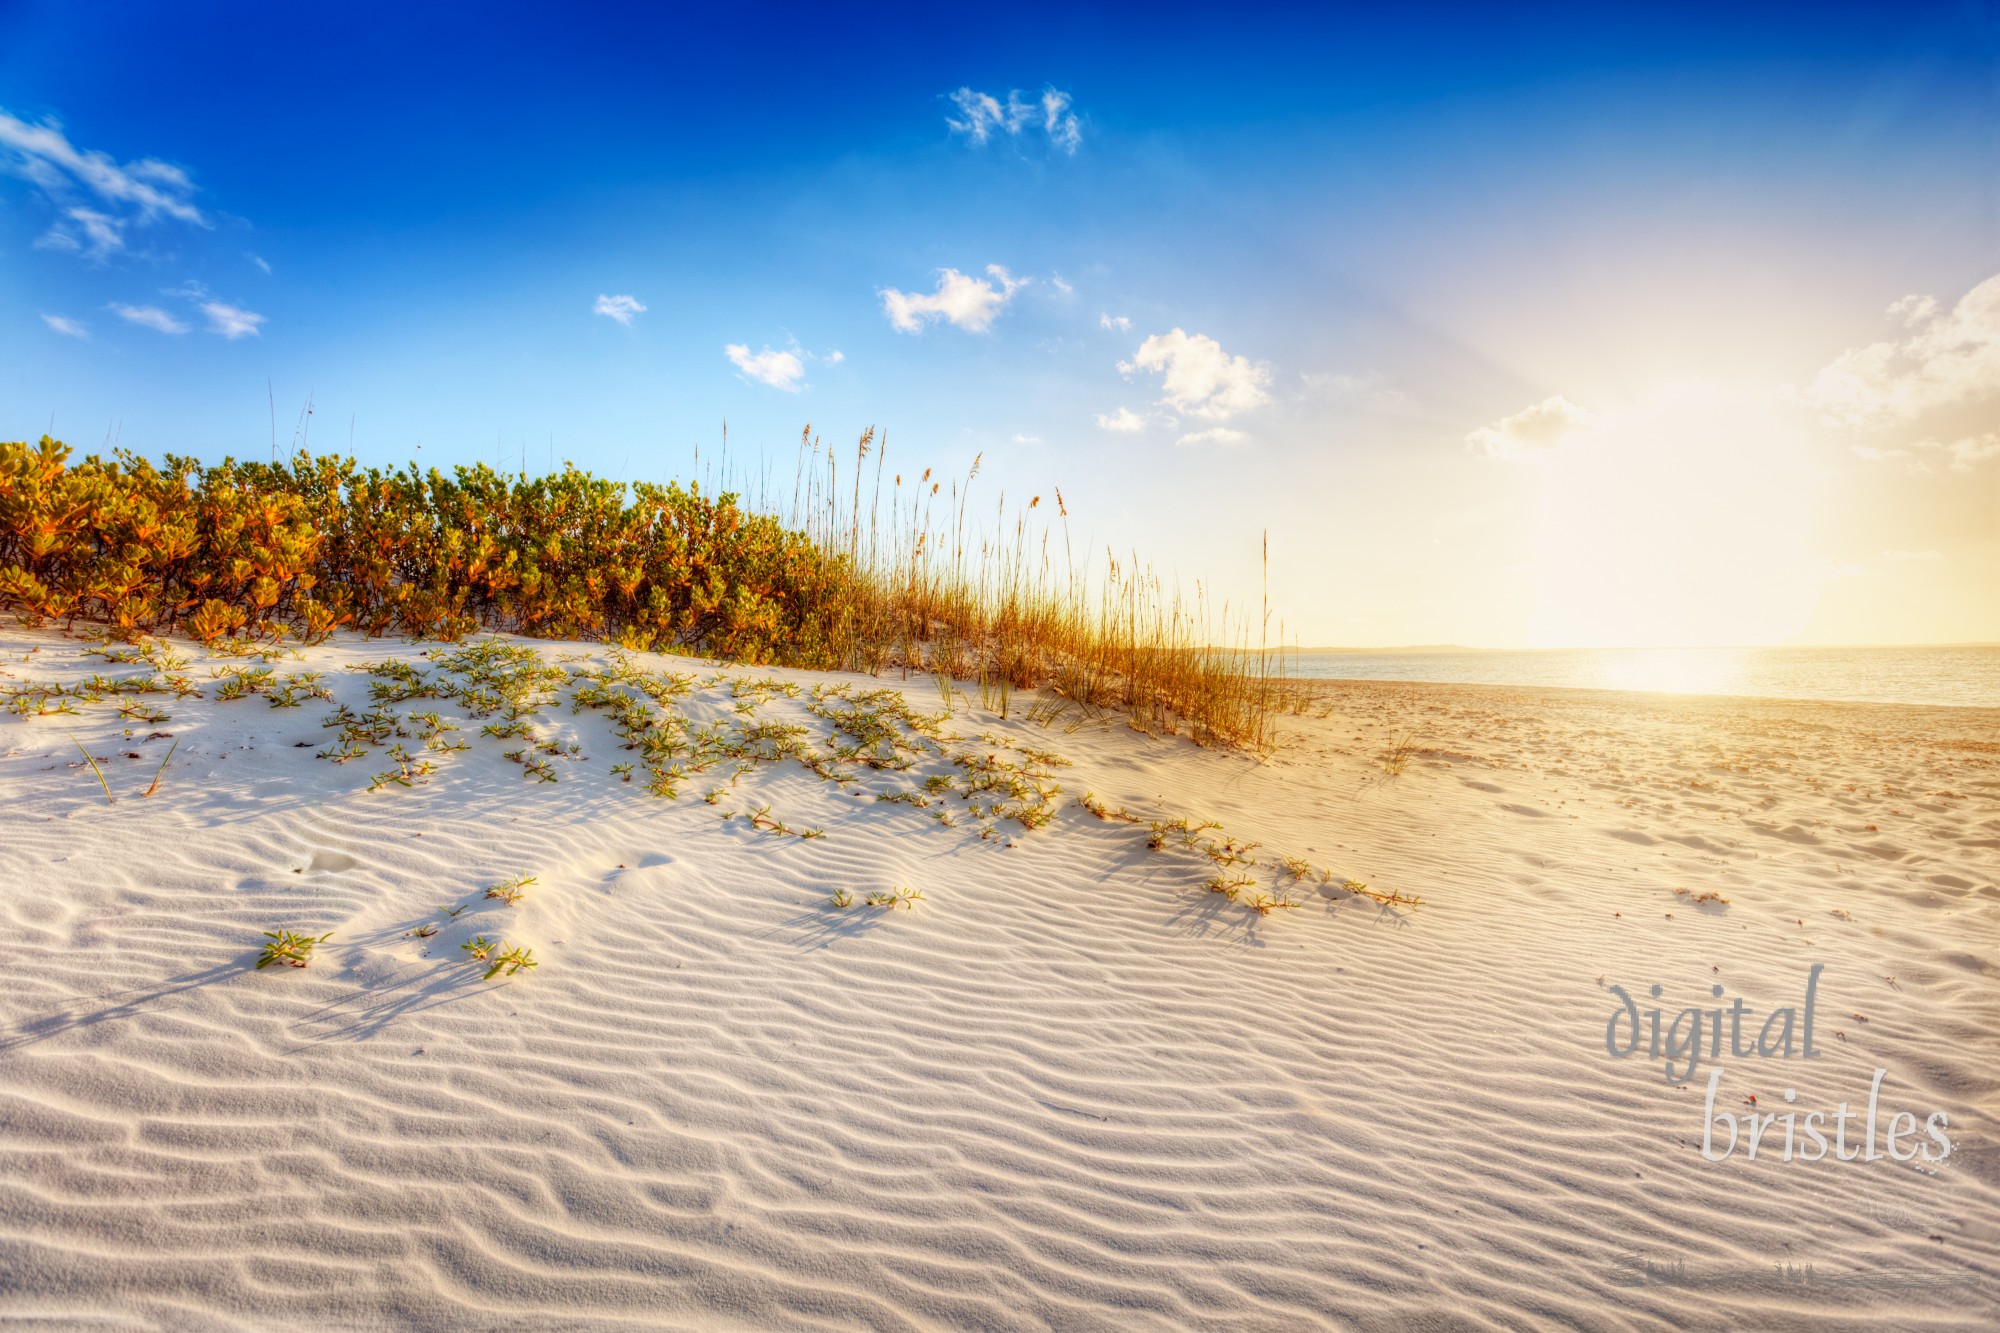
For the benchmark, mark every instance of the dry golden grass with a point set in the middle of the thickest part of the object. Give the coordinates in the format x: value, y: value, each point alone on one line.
x: 930, y: 588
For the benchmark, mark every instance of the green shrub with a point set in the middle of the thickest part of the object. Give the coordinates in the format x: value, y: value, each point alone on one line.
x: 303, y: 548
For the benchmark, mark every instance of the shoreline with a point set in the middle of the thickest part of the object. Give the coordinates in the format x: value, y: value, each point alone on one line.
x: 1556, y: 694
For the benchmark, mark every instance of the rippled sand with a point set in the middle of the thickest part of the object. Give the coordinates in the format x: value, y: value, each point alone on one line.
x: 1070, y: 1089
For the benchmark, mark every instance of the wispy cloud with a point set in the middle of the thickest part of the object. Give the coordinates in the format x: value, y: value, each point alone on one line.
x: 1116, y: 323
x: 259, y: 261
x: 1529, y: 432
x: 967, y: 303
x: 232, y: 322
x: 1198, y: 377
x: 980, y: 115
x: 624, y: 309
x: 69, y: 328
x: 1213, y: 435
x: 1369, y: 390
x: 1961, y: 455
x: 1968, y: 451
x: 87, y: 232
x: 97, y: 198
x: 1124, y: 421
x: 1059, y: 121
x: 149, y: 316
x: 1946, y: 359
x: 780, y: 370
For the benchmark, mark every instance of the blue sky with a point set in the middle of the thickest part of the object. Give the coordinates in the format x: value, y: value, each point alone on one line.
x: 1510, y: 330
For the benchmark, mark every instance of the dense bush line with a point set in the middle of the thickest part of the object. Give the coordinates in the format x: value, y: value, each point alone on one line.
x: 317, y: 544
x: 297, y: 550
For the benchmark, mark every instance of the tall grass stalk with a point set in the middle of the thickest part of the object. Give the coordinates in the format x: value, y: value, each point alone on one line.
x: 929, y: 589
x: 96, y: 772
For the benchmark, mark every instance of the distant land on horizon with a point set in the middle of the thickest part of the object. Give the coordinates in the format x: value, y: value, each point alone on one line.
x: 1415, y: 648
x: 1405, y: 648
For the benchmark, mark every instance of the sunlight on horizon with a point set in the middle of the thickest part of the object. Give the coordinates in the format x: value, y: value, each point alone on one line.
x: 1676, y: 670
x: 1681, y: 522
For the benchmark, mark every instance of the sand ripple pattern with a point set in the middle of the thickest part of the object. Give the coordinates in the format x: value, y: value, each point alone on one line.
x: 1070, y: 1090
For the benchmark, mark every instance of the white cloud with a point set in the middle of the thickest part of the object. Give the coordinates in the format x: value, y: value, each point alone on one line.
x: 621, y: 308
x: 94, y: 235
x: 1910, y: 311
x: 1974, y: 449
x: 1531, y: 431
x: 149, y: 316
x: 1960, y: 455
x: 1949, y: 359
x: 1322, y: 381
x: 969, y: 303
x: 67, y: 327
x: 230, y: 321
x: 835, y: 357
x: 1059, y: 122
x: 1369, y: 389
x: 1116, y: 323
x: 1214, y: 435
x: 1198, y: 377
x: 981, y: 114
x: 1027, y: 439
x: 118, y: 195
x: 259, y: 261
x: 1125, y: 421
x: 780, y: 370
x: 1056, y: 281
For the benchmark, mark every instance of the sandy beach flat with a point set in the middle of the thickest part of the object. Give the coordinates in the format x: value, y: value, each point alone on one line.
x: 1067, y: 1088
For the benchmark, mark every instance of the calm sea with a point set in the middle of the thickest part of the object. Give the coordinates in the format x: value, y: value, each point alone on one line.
x: 1961, y: 676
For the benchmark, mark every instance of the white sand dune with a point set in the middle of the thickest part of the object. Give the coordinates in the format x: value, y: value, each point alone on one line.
x: 1067, y: 1089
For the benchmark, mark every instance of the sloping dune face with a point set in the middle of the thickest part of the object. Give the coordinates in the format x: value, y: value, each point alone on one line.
x: 1132, y: 1035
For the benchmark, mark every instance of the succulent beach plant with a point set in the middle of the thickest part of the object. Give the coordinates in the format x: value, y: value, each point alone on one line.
x: 289, y: 948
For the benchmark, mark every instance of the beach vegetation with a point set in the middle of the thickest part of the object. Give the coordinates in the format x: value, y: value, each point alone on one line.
x: 510, y: 961
x: 161, y: 771
x: 864, y: 573
x: 289, y: 948
x: 1396, y: 756
x: 510, y: 891
x: 95, y: 771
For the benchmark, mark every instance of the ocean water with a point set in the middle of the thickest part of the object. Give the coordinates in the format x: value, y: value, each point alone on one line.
x: 1963, y: 676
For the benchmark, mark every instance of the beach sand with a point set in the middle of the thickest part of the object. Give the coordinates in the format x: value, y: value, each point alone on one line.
x: 1069, y: 1088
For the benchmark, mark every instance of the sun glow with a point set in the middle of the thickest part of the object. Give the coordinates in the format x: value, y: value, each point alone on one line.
x: 1681, y: 521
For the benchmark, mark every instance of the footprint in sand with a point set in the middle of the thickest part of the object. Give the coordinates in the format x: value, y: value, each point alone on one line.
x: 327, y: 861
x: 1484, y: 786
x: 1527, y: 810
